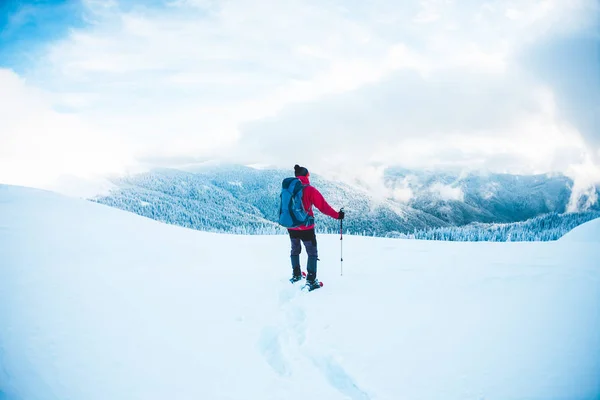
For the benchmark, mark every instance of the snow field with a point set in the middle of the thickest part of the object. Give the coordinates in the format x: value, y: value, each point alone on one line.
x: 97, y: 303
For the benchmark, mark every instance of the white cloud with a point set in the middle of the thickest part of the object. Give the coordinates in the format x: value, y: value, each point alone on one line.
x: 368, y: 177
x: 344, y: 87
x: 39, y: 145
x: 507, y: 130
x: 586, y: 177
x: 403, y: 195
x: 401, y: 191
x: 447, y: 192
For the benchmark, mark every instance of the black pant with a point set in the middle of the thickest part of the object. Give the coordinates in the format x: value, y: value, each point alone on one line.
x: 309, y: 239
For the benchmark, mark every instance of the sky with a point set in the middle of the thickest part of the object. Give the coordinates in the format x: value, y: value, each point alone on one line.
x: 347, y: 88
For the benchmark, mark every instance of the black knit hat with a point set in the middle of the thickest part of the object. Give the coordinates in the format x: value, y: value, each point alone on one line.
x: 300, y: 171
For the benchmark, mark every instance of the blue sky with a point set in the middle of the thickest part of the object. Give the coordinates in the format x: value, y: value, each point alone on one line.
x: 105, y: 86
x: 26, y: 26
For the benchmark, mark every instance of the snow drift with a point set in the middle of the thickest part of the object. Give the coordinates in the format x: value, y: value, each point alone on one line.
x: 97, y: 303
x: 588, y: 232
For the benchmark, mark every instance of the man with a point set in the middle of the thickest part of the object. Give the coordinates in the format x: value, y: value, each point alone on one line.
x: 306, y: 234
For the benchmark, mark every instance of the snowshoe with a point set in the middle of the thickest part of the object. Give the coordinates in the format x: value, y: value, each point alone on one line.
x: 296, y: 278
x: 312, y: 285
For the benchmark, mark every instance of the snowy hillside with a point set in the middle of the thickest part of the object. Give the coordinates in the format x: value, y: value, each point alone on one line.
x: 589, y: 233
x: 237, y: 199
x: 97, y: 303
x: 501, y: 198
x: 551, y: 226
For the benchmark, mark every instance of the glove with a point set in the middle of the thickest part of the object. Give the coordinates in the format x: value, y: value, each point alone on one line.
x: 341, y: 214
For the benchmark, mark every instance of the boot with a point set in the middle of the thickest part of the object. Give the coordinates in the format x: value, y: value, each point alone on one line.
x: 312, y: 285
x: 296, y: 272
x: 311, y: 267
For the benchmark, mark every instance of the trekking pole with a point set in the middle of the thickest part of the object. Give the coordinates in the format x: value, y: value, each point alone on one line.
x: 341, y: 247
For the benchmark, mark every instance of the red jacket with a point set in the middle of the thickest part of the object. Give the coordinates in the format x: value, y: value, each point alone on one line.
x: 312, y: 197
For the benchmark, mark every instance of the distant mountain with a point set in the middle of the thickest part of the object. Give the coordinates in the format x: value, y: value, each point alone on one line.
x: 245, y: 200
x: 551, y: 226
x: 240, y: 199
x: 460, y: 200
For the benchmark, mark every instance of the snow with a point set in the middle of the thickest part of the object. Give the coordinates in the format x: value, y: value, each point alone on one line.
x: 588, y: 232
x: 98, y: 303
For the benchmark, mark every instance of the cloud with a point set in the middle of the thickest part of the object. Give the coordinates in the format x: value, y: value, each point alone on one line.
x: 446, y: 192
x: 584, y: 193
x: 401, y: 190
x: 346, y: 88
x: 402, y: 194
x: 39, y: 145
x: 504, y: 124
x: 570, y: 66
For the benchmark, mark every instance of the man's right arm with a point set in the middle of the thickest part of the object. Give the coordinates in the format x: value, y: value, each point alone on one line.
x: 319, y: 201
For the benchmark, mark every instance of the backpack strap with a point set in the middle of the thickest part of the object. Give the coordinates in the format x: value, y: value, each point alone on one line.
x: 299, y: 188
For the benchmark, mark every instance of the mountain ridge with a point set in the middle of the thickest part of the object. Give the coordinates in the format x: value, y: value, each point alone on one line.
x: 239, y: 199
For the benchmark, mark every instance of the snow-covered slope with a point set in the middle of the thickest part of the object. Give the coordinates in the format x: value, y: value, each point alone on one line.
x: 238, y: 199
x: 97, y: 303
x: 244, y: 200
x: 588, y: 232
